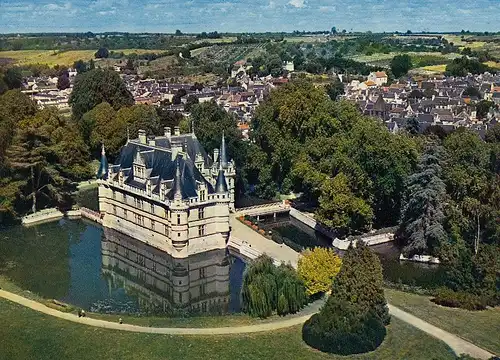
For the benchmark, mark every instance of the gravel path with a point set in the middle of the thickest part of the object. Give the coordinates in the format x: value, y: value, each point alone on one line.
x: 459, y: 345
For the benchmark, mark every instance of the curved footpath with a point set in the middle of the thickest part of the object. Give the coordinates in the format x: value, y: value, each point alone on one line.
x: 457, y: 344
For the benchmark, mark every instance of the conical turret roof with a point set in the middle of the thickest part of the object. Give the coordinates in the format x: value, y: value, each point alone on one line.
x: 177, y: 188
x: 221, y: 184
x: 102, y: 173
x: 223, y: 153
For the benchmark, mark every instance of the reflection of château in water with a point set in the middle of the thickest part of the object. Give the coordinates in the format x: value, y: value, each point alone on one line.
x: 168, y: 192
x: 162, y: 283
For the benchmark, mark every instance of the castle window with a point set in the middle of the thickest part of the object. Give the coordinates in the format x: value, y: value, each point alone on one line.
x: 202, y: 195
x: 201, y: 230
x: 125, y: 213
x: 166, y: 230
x: 202, y: 273
x: 178, y: 219
x: 201, y: 213
x: 114, y: 209
x: 152, y: 208
x: 152, y: 224
x: 124, y: 198
x: 114, y: 195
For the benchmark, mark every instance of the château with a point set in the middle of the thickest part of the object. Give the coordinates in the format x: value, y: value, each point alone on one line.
x: 169, y: 193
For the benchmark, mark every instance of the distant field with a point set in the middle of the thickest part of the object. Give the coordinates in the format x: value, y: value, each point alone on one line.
x: 381, y: 57
x: 492, y: 64
x: 225, y: 39
x: 435, y: 68
x: 54, y: 57
x: 306, y: 39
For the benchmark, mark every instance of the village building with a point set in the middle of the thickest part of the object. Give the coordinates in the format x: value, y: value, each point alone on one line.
x: 379, y: 77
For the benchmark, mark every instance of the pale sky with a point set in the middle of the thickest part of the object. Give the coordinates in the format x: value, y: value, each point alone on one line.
x: 247, y: 16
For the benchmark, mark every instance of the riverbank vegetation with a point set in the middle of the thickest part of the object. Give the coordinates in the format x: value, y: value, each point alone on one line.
x: 269, y: 289
x: 317, y: 268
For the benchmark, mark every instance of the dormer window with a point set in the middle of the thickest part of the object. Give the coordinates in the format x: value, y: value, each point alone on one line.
x: 139, y: 171
x: 139, y: 167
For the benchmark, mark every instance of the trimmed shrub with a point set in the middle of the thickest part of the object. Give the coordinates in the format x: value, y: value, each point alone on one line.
x: 354, y: 317
x: 360, y: 281
x: 460, y: 299
x: 347, y: 331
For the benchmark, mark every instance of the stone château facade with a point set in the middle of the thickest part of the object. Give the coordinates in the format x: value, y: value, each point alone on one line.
x: 168, y: 192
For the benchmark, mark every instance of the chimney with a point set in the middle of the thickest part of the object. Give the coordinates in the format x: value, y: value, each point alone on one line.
x: 177, y: 131
x: 216, y: 154
x: 168, y: 132
x: 142, y: 136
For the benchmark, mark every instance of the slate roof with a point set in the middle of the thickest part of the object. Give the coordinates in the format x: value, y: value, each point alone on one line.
x: 179, y: 174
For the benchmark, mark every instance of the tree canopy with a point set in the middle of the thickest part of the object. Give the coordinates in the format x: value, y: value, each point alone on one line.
x: 96, y: 86
x: 317, y: 268
x: 400, y: 64
x: 307, y: 143
x: 102, y: 53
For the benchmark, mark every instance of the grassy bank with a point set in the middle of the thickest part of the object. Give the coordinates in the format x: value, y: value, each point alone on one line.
x: 479, y: 327
x: 27, y: 334
x: 150, y: 321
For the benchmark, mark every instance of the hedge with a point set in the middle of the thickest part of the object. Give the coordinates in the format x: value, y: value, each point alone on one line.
x: 450, y: 298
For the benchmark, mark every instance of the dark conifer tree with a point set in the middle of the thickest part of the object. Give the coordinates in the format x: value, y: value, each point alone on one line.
x: 421, y: 228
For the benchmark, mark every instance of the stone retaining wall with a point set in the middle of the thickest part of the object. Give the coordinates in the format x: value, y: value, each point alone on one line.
x: 341, y: 244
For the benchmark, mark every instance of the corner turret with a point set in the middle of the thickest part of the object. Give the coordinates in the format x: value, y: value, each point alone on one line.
x: 221, y: 184
x: 223, y: 153
x: 102, y: 173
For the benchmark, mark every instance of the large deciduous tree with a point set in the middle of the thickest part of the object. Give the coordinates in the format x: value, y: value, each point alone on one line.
x: 340, y: 209
x: 14, y: 107
x: 209, y: 120
x: 46, y: 156
x: 104, y: 125
x: 63, y: 82
x: 96, y: 86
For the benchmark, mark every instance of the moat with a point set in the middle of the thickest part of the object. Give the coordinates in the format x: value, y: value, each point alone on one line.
x: 79, y: 263
x: 82, y: 264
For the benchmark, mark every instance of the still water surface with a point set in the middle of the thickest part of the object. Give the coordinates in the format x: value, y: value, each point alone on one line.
x: 102, y: 271
x: 395, y: 271
x: 77, y: 262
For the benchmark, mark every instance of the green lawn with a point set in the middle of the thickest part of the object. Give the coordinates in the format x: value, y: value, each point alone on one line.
x: 479, y: 327
x: 27, y: 334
